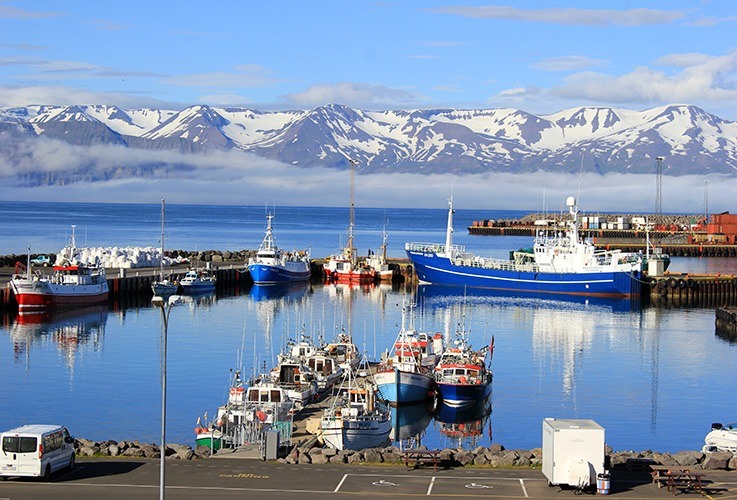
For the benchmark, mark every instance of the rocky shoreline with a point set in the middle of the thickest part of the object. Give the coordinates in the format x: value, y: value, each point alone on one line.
x: 493, y: 456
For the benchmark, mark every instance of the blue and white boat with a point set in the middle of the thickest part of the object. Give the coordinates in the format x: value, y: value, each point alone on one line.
x: 197, y: 281
x: 462, y: 377
x: 561, y: 263
x: 406, y: 376
x: 273, y: 265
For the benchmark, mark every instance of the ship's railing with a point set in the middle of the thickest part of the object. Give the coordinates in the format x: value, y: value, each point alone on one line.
x: 497, y: 264
x: 433, y: 248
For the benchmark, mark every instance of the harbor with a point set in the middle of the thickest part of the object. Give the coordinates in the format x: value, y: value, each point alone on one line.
x: 538, y: 332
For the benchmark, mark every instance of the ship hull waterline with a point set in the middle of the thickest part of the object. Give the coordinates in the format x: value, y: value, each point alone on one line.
x: 434, y: 269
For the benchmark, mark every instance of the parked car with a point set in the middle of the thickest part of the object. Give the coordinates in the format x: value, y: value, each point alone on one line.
x: 41, y: 260
x: 36, y: 451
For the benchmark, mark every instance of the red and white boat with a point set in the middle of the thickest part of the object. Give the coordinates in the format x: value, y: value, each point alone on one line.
x: 72, y: 283
x: 345, y: 266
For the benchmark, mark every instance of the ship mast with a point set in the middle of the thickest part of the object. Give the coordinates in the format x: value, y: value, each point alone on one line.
x: 161, y: 257
x: 351, y: 250
x: 449, y: 230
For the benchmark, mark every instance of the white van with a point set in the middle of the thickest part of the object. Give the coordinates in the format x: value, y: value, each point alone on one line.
x: 36, y: 451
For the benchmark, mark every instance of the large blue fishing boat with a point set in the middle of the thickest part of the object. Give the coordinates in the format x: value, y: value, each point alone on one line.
x: 559, y: 263
x: 273, y: 265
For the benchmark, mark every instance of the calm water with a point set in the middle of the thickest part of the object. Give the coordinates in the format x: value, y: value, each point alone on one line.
x: 648, y: 376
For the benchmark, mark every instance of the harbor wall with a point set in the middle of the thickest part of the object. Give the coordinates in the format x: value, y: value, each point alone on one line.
x: 684, y: 290
x: 725, y: 323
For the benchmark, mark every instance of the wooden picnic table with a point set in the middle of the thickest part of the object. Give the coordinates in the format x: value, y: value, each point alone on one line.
x: 421, y: 457
x: 677, y: 478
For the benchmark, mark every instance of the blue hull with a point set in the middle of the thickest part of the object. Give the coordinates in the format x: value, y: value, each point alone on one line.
x: 402, y: 388
x: 463, y: 395
x: 431, y: 268
x: 266, y: 274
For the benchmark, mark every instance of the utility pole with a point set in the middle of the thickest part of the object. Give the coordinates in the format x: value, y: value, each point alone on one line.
x: 659, y: 186
x: 706, y: 201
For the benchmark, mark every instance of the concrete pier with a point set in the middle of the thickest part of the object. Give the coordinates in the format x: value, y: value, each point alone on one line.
x: 692, y: 290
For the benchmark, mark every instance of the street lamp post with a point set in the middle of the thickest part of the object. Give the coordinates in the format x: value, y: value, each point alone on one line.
x: 165, y: 307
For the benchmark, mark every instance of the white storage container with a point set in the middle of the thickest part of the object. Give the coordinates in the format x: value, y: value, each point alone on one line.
x: 573, y: 452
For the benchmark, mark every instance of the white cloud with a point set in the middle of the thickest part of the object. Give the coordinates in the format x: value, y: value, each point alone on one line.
x: 67, y: 96
x: 361, y: 95
x: 567, y: 63
x: 710, y: 80
x: 569, y: 16
x: 682, y: 60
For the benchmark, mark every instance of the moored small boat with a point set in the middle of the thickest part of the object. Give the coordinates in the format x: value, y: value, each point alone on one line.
x: 72, y: 284
x: 721, y: 438
x: 356, y: 420
x: 272, y: 265
x: 197, y: 281
x: 164, y: 286
x: 461, y: 376
x: 298, y: 381
x: 403, y: 377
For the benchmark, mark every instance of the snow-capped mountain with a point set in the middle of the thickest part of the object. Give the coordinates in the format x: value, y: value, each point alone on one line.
x: 427, y: 141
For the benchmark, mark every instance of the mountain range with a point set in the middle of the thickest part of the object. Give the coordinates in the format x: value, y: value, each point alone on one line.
x: 587, y: 139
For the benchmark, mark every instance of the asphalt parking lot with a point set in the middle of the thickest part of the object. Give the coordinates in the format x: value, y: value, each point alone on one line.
x: 113, y: 479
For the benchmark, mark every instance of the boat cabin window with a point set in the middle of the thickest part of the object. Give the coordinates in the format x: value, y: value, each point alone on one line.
x: 253, y: 395
x: 264, y: 396
x: 275, y: 396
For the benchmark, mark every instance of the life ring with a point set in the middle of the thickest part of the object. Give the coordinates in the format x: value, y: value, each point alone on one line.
x: 261, y: 416
x: 462, y: 379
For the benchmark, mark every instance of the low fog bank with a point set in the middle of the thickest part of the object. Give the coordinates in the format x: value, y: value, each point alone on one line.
x: 238, y: 178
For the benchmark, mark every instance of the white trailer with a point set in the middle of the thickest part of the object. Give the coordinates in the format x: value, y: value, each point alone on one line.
x: 573, y: 452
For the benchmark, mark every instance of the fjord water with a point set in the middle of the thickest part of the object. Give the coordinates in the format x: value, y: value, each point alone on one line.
x: 654, y: 378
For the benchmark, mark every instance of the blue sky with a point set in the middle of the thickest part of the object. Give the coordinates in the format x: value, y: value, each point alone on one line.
x: 539, y: 56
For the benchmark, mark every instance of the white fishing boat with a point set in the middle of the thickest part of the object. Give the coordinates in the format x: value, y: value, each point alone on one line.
x: 164, y: 286
x: 247, y: 412
x: 344, y: 351
x: 197, y: 281
x: 406, y: 375
x: 356, y: 420
x: 326, y: 368
x: 298, y: 381
x: 721, y: 438
x: 73, y: 283
x: 378, y: 262
x: 272, y: 265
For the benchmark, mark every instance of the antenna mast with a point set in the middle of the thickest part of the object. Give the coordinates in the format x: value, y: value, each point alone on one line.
x: 659, y: 186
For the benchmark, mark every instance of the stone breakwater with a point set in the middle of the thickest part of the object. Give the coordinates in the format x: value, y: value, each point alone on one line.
x: 493, y: 456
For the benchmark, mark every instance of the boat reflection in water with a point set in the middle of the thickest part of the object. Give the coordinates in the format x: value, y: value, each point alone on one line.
x: 288, y: 291
x: 409, y: 423
x: 195, y: 300
x: 433, y: 296
x: 463, y: 427
x: 70, y: 330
